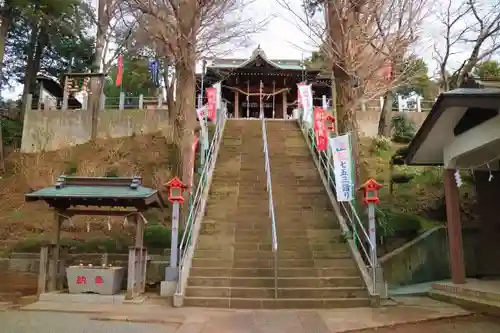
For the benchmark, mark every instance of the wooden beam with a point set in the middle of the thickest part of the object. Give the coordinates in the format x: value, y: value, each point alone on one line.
x: 96, y: 212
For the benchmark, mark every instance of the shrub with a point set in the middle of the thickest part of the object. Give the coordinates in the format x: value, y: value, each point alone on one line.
x: 380, y: 144
x: 403, y: 129
x: 12, y: 131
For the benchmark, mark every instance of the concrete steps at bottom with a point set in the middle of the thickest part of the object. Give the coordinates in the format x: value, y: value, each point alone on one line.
x: 268, y: 282
x: 278, y: 303
x: 285, y: 293
x: 269, y: 272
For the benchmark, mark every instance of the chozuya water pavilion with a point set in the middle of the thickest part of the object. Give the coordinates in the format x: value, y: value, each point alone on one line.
x: 243, y: 79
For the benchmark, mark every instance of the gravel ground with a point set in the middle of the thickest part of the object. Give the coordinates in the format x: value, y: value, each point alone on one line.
x: 469, y: 324
x: 51, y: 322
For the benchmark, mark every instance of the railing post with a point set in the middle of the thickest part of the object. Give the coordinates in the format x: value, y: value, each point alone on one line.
x: 141, y: 101
x: 121, y: 104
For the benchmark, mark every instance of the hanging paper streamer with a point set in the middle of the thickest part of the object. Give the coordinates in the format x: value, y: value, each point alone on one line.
x: 154, y: 70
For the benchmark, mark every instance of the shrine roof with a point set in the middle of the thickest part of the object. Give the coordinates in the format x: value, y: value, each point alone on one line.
x: 101, y: 191
x: 257, y: 55
x: 453, y: 113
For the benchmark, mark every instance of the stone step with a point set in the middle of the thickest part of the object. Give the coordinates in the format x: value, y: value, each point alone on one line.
x: 269, y: 263
x: 286, y: 293
x: 243, y: 254
x: 207, y: 244
x: 283, y: 282
x: 269, y: 303
x: 269, y: 272
x: 285, y: 242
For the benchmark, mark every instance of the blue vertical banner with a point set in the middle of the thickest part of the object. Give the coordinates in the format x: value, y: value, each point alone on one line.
x: 154, y: 70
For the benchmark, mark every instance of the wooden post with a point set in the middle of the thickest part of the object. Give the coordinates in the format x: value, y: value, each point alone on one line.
x: 56, y: 235
x: 141, y: 101
x: 248, y: 99
x: 121, y: 104
x: 285, y: 106
x: 40, y: 96
x: 419, y: 104
x: 236, y: 104
x: 102, y: 103
x: 67, y: 81
x: 42, y: 272
x: 85, y: 102
x: 381, y: 100
x: 2, y: 157
x: 160, y: 101
x: 400, y: 103
x: 457, y: 265
x: 131, y: 273
x: 274, y: 98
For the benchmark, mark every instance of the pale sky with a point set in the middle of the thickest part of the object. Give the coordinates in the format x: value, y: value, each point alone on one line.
x: 281, y: 38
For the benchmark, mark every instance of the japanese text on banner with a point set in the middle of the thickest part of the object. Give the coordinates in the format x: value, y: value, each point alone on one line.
x: 342, y: 165
x: 212, y: 102
x: 320, y: 129
x: 306, y: 101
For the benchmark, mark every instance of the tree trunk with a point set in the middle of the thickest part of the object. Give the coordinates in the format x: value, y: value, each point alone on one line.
x: 96, y: 84
x: 347, y: 95
x: 384, y: 124
x: 30, y: 68
x: 185, y: 121
x: 4, y: 29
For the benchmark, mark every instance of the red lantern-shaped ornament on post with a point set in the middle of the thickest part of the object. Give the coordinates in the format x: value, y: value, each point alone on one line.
x: 370, y: 192
x: 175, y: 187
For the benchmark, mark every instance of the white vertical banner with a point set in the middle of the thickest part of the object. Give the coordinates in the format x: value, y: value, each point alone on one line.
x: 343, y: 167
x: 306, y: 98
x: 202, y: 113
x: 218, y: 89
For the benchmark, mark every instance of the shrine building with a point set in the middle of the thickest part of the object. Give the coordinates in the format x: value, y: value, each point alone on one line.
x: 246, y: 83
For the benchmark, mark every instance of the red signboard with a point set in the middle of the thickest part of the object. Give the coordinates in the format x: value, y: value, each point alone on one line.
x: 320, y: 129
x: 81, y: 279
x: 212, y: 102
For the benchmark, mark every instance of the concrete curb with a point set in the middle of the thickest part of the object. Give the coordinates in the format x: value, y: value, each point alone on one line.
x: 62, y: 311
x: 418, y: 321
x: 137, y: 320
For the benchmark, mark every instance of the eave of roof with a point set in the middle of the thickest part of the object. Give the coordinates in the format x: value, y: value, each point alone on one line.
x: 437, y: 110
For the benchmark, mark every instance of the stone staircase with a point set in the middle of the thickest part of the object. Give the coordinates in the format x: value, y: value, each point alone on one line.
x: 233, y: 262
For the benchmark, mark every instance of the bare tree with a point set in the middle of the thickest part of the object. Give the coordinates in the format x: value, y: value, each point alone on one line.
x: 471, y: 27
x: 183, y: 31
x: 398, y: 26
x: 358, y: 39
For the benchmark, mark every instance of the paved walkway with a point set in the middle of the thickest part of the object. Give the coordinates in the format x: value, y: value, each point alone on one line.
x: 153, y: 316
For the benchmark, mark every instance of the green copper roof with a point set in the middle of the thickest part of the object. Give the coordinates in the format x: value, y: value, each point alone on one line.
x: 94, y: 187
x: 92, y: 192
x: 257, y: 53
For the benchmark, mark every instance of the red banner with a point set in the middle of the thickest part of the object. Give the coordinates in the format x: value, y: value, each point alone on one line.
x: 119, y: 71
x: 212, y: 102
x: 320, y: 129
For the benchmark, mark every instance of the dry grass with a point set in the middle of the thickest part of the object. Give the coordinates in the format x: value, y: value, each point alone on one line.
x: 146, y: 155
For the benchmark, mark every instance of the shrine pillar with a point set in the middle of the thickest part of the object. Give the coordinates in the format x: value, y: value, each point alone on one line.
x: 236, y: 104
x: 285, y: 106
x: 454, y: 226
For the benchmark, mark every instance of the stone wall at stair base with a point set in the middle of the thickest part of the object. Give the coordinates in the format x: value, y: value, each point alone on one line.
x: 50, y: 130
x: 55, y: 129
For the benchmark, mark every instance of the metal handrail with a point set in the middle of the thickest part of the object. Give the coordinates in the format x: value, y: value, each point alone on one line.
x: 272, y: 215
x: 206, y: 173
x: 348, y: 210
